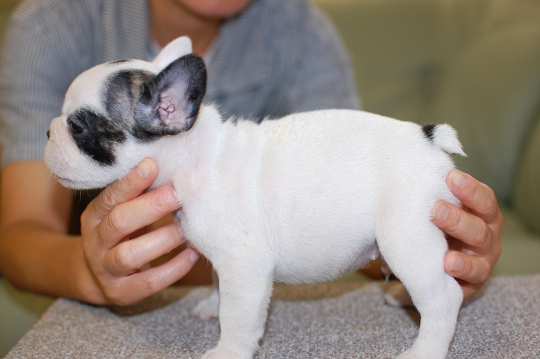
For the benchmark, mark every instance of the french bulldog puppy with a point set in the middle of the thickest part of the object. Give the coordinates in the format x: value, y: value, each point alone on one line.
x: 300, y: 199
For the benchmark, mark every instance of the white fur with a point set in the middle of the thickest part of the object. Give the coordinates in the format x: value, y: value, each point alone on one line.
x: 175, y: 49
x: 304, y: 198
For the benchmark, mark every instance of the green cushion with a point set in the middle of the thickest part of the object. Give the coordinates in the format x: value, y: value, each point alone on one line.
x: 489, y: 91
x: 391, y: 43
x: 472, y: 63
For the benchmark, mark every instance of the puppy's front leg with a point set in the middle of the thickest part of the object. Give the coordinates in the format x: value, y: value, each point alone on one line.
x: 244, y: 290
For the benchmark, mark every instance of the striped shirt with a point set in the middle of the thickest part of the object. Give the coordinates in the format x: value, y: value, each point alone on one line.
x: 276, y: 57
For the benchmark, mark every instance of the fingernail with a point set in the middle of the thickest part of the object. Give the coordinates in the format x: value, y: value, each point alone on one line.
x: 193, y: 256
x: 458, y: 179
x: 457, y: 264
x: 144, y: 169
x: 440, y: 212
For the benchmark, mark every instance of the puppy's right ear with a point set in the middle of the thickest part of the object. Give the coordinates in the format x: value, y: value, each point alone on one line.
x: 169, y: 103
x: 174, y: 50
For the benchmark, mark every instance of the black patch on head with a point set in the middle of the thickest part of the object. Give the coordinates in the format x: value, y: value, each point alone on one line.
x: 429, y: 131
x: 131, y: 98
x: 121, y: 96
x: 95, y: 135
x: 117, y: 62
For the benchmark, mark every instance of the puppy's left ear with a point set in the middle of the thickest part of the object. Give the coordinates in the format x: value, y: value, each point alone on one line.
x: 170, y: 102
x: 174, y: 50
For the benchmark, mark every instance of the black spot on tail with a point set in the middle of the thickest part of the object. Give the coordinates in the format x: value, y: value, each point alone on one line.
x: 429, y: 131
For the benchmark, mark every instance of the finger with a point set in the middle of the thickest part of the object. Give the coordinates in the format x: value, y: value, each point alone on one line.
x: 453, y: 244
x: 123, y: 190
x: 460, y: 224
x: 130, y: 256
x: 471, y: 269
x: 137, y: 213
x: 469, y: 289
x: 143, y: 284
x: 475, y: 195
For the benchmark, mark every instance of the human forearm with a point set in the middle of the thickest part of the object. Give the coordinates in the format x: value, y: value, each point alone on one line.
x: 38, y: 259
x: 108, y: 265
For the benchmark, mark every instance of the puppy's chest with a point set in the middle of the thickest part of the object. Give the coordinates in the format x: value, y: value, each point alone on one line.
x: 220, y: 214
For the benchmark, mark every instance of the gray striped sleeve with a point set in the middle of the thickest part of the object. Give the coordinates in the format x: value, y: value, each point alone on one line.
x: 323, y: 76
x: 36, y: 72
x: 275, y: 58
x: 291, y: 60
x: 48, y: 43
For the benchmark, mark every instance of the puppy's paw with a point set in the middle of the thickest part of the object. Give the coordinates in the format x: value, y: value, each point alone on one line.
x: 407, y: 355
x: 398, y: 296
x: 415, y: 354
x: 223, y: 353
x: 208, y: 308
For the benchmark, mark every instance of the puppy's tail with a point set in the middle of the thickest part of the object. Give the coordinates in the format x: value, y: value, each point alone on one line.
x: 445, y: 137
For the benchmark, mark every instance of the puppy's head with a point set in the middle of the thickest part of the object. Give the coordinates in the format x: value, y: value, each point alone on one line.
x: 113, y: 110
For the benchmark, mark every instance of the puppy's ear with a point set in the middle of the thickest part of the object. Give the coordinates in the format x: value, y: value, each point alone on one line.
x: 170, y: 102
x: 174, y: 50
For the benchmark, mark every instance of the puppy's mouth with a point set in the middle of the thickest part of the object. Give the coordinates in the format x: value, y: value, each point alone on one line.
x: 69, y: 183
x: 66, y: 182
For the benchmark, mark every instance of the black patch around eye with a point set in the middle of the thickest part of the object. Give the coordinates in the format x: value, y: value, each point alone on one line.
x: 99, y: 138
x: 75, y: 128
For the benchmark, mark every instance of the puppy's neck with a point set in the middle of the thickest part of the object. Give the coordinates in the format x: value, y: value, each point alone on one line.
x: 187, y: 159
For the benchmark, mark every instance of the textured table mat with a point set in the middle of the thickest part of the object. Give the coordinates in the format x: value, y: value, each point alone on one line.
x: 321, y: 321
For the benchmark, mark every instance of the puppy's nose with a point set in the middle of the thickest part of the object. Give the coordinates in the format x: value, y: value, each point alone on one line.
x: 48, y: 134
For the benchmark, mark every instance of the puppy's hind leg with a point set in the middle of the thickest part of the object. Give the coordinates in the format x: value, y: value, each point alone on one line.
x: 416, y: 255
x: 208, y: 308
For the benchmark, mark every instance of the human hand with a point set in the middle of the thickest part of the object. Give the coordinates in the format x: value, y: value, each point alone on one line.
x: 119, y: 264
x: 475, y: 229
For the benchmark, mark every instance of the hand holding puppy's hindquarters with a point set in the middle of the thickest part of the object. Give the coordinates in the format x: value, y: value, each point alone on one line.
x: 114, y: 260
x: 476, y: 230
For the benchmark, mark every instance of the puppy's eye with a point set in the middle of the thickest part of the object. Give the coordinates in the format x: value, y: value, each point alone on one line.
x: 75, y: 129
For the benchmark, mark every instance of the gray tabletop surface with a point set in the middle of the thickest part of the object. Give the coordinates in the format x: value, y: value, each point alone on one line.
x: 335, y: 320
